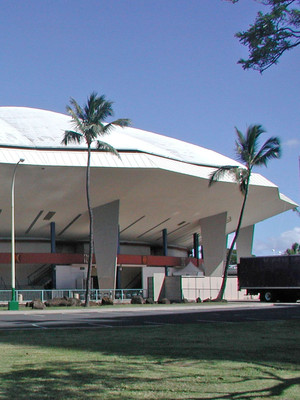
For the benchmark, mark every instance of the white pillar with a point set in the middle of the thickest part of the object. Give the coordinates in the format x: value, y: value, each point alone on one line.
x: 213, y: 232
x: 244, y: 242
x: 106, y: 236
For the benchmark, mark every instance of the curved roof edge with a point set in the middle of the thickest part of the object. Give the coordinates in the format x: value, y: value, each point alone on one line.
x: 78, y: 158
x: 22, y: 127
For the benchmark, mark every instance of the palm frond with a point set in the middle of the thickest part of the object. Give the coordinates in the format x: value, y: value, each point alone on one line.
x: 103, y: 146
x: 77, y: 123
x: 241, y: 138
x: 270, y: 149
x: 246, y: 146
x: 90, y: 106
x: 78, y: 111
x: 240, y: 152
x: 97, y: 108
x: 92, y: 130
x: 122, y: 122
x: 71, y: 137
x: 219, y: 173
x: 241, y: 146
x: 104, y: 110
x: 242, y: 176
x: 89, y: 120
x: 252, y: 135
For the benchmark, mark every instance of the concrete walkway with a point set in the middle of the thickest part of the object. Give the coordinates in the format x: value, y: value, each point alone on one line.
x: 144, y: 308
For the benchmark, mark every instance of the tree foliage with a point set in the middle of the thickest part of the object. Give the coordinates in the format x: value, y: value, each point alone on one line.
x: 251, y: 155
x: 89, y: 125
x: 272, y: 34
x: 233, y: 258
x: 295, y: 249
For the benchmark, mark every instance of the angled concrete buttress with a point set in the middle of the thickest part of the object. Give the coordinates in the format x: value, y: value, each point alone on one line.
x: 244, y: 242
x: 213, y: 232
x: 106, y: 237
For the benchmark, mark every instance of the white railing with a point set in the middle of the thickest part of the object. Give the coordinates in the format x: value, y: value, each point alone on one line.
x: 96, y: 294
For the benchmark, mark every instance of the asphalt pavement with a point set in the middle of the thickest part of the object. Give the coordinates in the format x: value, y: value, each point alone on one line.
x: 110, y: 317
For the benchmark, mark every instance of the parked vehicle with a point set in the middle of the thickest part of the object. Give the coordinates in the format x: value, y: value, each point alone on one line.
x: 274, y: 278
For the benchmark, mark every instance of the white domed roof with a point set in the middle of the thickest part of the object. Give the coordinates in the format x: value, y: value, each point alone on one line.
x: 35, y: 128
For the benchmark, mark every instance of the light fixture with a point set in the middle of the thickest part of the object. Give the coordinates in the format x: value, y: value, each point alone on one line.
x: 13, y: 304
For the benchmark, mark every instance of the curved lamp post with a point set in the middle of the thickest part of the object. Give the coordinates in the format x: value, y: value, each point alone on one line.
x: 13, y: 304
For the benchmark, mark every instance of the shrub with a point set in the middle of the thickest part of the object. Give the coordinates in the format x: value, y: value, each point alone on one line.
x: 107, y: 301
x: 208, y: 300
x: 63, y: 302
x: 94, y: 303
x: 36, y: 304
x: 164, y: 301
x: 137, y: 300
x: 150, y: 301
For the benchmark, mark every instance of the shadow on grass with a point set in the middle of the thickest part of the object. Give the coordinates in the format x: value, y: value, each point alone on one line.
x: 276, y: 390
x: 60, y: 380
x: 272, y: 341
x: 269, y: 350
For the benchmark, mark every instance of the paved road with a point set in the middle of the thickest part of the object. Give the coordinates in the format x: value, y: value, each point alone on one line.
x: 152, y: 316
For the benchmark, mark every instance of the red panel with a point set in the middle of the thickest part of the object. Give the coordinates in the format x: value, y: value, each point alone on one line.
x: 156, y: 260
x: 124, y: 259
x: 43, y: 258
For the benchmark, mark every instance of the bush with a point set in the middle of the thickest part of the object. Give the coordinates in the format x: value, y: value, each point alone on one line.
x: 137, y: 300
x: 63, y: 302
x: 56, y: 302
x: 208, y: 300
x: 36, y: 304
x: 164, y: 301
x: 107, y: 301
x: 94, y: 303
x: 150, y: 301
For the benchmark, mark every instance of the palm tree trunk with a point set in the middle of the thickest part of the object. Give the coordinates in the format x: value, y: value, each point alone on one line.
x: 237, y: 231
x: 91, y: 231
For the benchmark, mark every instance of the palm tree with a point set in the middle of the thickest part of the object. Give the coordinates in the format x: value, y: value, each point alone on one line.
x: 249, y: 153
x: 88, y: 126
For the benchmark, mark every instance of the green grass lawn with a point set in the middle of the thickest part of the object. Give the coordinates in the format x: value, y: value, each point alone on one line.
x: 258, y: 360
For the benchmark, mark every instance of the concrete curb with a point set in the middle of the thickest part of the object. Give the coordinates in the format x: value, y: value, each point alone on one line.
x: 146, y: 308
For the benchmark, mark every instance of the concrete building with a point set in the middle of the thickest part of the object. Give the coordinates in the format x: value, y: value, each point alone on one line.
x: 151, y: 206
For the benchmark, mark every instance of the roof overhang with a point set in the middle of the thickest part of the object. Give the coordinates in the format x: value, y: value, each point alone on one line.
x: 154, y: 193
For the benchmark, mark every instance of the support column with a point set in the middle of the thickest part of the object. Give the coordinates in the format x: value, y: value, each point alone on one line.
x: 213, y: 232
x: 118, y: 278
x: 165, y: 248
x: 106, y: 234
x: 53, y: 237
x: 244, y: 242
x: 196, y: 245
x: 53, y: 250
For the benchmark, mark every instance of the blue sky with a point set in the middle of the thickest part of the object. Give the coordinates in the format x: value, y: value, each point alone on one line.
x: 169, y: 65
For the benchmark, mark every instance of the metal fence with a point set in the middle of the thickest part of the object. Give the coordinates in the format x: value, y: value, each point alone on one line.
x: 96, y: 294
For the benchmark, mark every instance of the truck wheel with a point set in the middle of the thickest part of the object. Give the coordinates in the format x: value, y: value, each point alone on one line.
x: 266, y: 296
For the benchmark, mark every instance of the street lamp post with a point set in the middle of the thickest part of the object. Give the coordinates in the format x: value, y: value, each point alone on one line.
x: 13, y: 304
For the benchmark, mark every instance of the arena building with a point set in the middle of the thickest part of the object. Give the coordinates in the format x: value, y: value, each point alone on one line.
x: 152, y: 206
